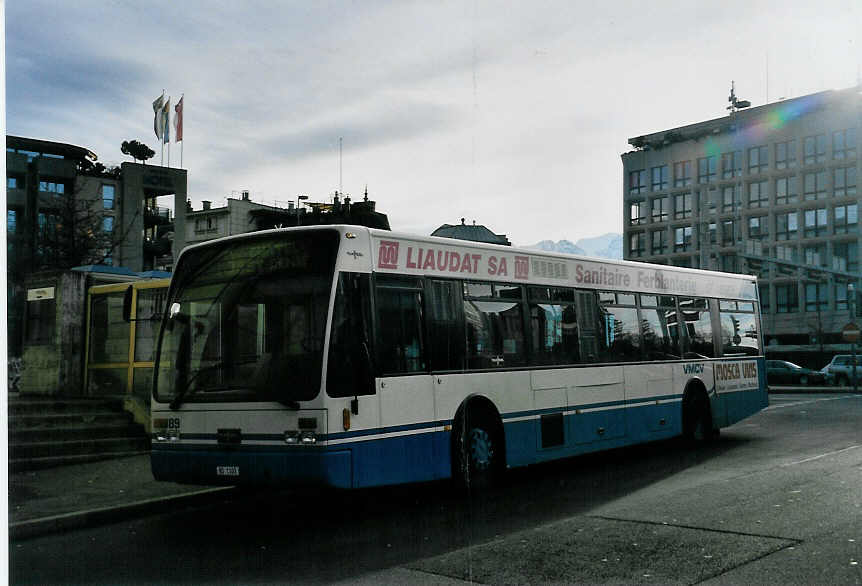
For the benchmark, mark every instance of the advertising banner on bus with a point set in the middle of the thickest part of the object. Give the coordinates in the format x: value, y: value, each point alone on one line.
x: 739, y: 375
x: 392, y: 254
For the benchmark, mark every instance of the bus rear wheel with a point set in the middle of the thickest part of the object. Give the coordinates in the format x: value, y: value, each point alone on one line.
x: 697, y: 418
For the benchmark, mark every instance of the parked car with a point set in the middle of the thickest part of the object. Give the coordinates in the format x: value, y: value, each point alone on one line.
x: 781, y: 372
x: 840, y: 369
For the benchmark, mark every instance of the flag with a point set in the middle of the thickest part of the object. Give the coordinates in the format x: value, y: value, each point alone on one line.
x: 158, y: 121
x: 166, y: 113
x: 178, y: 121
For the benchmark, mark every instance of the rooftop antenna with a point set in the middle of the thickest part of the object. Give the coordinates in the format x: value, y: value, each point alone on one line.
x: 736, y: 103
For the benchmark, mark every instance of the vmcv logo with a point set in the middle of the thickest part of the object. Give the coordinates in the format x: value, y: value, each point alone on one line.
x: 693, y: 368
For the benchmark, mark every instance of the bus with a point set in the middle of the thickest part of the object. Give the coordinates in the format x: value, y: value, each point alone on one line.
x: 349, y: 357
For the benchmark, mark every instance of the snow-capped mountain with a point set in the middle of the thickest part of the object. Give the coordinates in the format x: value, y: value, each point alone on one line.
x: 608, y: 245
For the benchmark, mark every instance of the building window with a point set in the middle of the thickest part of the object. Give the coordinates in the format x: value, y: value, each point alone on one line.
x: 816, y: 298
x: 758, y: 159
x: 844, y: 144
x: 682, y: 239
x: 786, y: 226
x: 814, y: 185
x: 758, y: 194
x: 846, y: 218
x: 730, y: 198
x: 660, y: 209
x: 814, y: 255
x: 786, y: 190
x: 786, y: 298
x: 637, y: 181
x: 637, y: 244
x: 785, y: 154
x: 659, y: 241
x: 764, y: 297
x: 682, y: 206
x: 814, y: 149
x: 712, y: 232
x: 11, y: 183
x: 108, y: 197
x: 727, y: 233
x: 845, y: 256
x: 660, y: 178
x: 11, y: 221
x: 729, y: 263
x: 682, y: 174
x: 40, y: 321
x: 706, y: 172
x: 758, y: 227
x: 731, y: 165
x: 638, y: 213
x: 815, y: 223
x: 840, y: 296
x: 787, y: 253
x: 108, y: 224
x: 844, y: 181
x: 52, y: 187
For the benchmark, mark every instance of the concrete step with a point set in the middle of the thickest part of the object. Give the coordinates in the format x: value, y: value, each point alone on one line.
x: 30, y: 405
x: 119, y: 427
x: 25, y: 464
x: 44, y: 449
x: 47, y: 420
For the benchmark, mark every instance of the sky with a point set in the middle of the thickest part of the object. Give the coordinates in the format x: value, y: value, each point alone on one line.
x: 510, y: 114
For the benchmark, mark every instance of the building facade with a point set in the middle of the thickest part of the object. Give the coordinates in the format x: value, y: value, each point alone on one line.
x: 769, y: 191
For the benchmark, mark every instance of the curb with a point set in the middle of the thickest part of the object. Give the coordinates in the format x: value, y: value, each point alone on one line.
x: 79, y: 519
x: 775, y: 389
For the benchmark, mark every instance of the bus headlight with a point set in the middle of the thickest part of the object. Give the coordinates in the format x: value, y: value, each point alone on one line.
x: 308, y: 437
x: 291, y: 437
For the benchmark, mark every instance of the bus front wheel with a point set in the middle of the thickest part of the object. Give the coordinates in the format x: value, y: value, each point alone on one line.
x: 478, y: 452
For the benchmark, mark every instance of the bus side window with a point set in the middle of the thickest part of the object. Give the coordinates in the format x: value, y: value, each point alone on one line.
x: 660, y: 329
x: 591, y: 327
x: 400, y: 348
x: 554, y: 330
x: 698, y: 327
x: 621, y: 329
x: 350, y: 371
x: 443, y: 316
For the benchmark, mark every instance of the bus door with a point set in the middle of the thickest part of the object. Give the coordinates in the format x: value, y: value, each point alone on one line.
x: 404, y: 386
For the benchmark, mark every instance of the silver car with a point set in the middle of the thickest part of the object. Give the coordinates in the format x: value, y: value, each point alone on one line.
x: 840, y: 369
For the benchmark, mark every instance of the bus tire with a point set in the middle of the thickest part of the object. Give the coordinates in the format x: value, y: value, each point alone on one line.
x: 477, y: 446
x: 697, y: 425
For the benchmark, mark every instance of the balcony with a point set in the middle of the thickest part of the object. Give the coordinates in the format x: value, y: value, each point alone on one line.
x: 156, y: 216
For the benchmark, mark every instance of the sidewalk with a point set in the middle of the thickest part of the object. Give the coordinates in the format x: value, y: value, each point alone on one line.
x: 65, y: 497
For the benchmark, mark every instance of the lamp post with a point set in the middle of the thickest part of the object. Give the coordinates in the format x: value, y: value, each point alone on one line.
x: 851, y: 304
x: 299, y: 199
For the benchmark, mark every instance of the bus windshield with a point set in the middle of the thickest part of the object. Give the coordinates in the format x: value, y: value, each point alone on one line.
x: 246, y: 320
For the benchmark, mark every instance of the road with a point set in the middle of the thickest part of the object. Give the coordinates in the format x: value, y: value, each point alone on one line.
x: 776, y: 499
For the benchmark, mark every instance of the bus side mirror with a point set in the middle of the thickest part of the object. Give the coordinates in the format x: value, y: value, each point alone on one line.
x: 127, y: 305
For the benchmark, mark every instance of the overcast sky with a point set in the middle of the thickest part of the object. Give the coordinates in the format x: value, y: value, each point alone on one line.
x: 513, y: 114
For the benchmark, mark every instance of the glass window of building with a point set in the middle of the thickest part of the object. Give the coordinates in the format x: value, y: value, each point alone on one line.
x: 786, y: 298
x: 638, y: 213
x: 56, y: 187
x: 844, y: 144
x: 786, y: 226
x: 637, y: 244
x: 846, y: 218
x: 706, y: 169
x: 787, y: 253
x: 108, y: 224
x: 758, y: 227
x: 840, y: 295
x: 659, y: 241
x: 11, y: 182
x: 816, y: 298
x: 758, y: 159
x: 785, y: 154
x: 682, y: 239
x: 844, y: 181
x: 815, y: 222
x: 763, y: 291
x: 11, y: 221
x: 758, y: 194
x: 814, y: 185
x: 682, y: 206
x: 731, y: 165
x: 786, y: 190
x: 729, y: 263
x: 731, y: 198
x: 728, y: 231
x: 814, y: 149
x: 108, y: 197
x: 845, y: 256
x: 682, y: 174
x: 637, y: 181
x: 660, y: 209
x: 660, y: 180
x: 814, y: 255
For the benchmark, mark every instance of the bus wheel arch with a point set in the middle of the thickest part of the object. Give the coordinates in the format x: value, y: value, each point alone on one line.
x: 697, y: 425
x: 478, y: 444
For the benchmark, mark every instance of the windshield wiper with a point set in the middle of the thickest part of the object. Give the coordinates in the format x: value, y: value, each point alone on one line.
x: 178, y: 400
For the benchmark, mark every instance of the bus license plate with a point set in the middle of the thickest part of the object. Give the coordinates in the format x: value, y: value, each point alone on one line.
x: 227, y: 470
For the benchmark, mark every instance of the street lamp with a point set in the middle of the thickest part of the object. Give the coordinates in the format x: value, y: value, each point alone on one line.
x: 299, y: 198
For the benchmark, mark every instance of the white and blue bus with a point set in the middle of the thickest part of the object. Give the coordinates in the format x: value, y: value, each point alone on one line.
x: 351, y: 357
